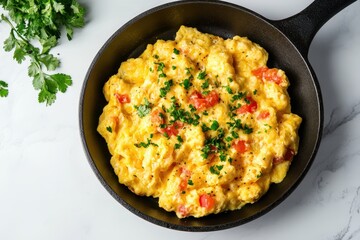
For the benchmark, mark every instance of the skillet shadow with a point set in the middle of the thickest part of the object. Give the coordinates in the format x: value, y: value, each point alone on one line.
x: 320, y: 54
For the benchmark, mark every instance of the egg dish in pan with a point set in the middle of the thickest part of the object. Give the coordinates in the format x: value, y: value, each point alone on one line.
x: 199, y: 122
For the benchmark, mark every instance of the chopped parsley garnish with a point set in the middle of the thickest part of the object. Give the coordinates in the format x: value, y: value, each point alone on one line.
x: 201, y: 75
x: 204, y: 127
x: 176, y: 51
x: 230, y: 79
x: 205, y: 84
x: 180, y: 141
x: 238, y: 96
x: 228, y: 89
x: 143, y: 109
x: 109, y: 129
x: 146, y: 144
x: 215, y: 125
x: 222, y: 157
x: 166, y: 89
x: 255, y: 92
x: 192, y: 108
x: 188, y: 70
x: 205, y: 113
x: 236, y: 124
x: 173, y: 67
x: 161, y: 66
x: 178, y: 114
x: 247, y: 101
x: 162, y: 75
x: 186, y: 83
x: 215, y: 144
x: 234, y: 134
x: 190, y: 182
x: 216, y: 169
x: 156, y: 56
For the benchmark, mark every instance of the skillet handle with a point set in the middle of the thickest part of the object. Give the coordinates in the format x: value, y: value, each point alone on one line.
x: 302, y: 27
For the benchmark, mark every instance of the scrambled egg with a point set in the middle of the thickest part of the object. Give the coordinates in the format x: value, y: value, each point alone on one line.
x: 199, y: 122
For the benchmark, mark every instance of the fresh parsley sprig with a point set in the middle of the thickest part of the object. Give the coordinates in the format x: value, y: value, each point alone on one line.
x: 3, y: 89
x: 36, y: 21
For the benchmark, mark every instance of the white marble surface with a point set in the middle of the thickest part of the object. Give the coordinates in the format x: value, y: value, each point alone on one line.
x: 48, y: 190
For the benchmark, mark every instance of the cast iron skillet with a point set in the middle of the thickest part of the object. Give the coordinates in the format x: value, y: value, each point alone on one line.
x: 287, y: 42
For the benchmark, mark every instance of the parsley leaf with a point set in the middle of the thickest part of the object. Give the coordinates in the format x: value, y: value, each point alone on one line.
x: 109, y: 129
x: 166, y: 89
x: 3, y: 89
x: 186, y: 83
x: 201, y: 75
x: 147, y: 143
x: 176, y: 51
x: 215, y: 169
x: 143, y: 109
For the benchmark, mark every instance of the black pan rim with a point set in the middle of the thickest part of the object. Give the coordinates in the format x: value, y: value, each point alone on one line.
x: 160, y: 222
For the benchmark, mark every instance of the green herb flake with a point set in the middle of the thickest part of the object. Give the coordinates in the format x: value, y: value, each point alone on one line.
x: 173, y: 67
x: 162, y: 75
x: 222, y: 157
x: 109, y: 129
x: 215, y: 169
x: 228, y: 89
x: 161, y: 66
x: 215, y: 125
x: 180, y: 140
x: 192, y: 108
x: 206, y: 84
x: 186, y: 84
x: 202, y: 75
x: 166, y: 89
x: 143, y: 109
x: 230, y: 79
x: 234, y: 134
x: 147, y: 143
x: 176, y: 51
x: 188, y: 70
x: 238, y: 96
x: 255, y: 92
x: 204, y: 128
x: 190, y: 182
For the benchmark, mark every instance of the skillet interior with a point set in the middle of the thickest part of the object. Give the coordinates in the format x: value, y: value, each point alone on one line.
x: 162, y: 23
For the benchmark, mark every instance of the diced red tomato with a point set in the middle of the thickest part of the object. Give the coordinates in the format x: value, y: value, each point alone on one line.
x: 183, y: 211
x: 172, y: 130
x: 240, y: 146
x: 202, y: 102
x: 248, y: 108
x: 122, y: 98
x: 185, y: 175
x: 289, y: 154
x: 268, y: 74
x: 206, y: 201
x: 287, y: 157
x: 183, y: 184
x: 263, y: 115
